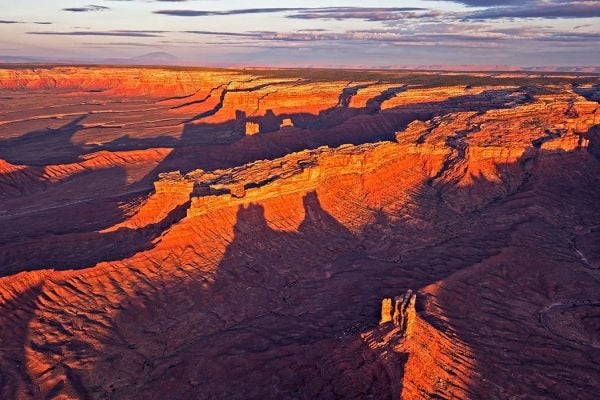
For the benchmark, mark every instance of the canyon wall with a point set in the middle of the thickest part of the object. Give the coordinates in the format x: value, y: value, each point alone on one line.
x: 155, y: 249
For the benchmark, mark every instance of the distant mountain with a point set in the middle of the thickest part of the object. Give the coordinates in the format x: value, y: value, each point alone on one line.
x: 157, y: 57
x: 154, y: 58
x: 17, y: 60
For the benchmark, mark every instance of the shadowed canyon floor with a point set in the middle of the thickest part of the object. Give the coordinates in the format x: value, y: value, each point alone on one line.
x: 231, y: 234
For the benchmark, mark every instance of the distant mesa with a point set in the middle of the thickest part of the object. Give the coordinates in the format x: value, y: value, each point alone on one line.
x: 156, y: 57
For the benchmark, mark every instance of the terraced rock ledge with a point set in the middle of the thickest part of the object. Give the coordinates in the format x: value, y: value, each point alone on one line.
x: 152, y: 248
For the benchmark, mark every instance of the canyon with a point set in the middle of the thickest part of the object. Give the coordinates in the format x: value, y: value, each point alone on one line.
x: 194, y: 233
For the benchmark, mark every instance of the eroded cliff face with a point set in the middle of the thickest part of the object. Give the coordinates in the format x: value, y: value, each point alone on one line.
x: 122, y: 81
x: 154, y: 250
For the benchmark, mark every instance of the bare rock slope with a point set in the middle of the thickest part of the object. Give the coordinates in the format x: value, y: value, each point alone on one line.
x: 386, y: 236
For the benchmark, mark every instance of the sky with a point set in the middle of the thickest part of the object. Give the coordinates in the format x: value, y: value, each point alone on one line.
x: 309, y: 33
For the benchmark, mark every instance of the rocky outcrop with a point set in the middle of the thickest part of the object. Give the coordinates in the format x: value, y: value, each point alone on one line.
x: 286, y: 123
x: 252, y: 128
x: 400, y: 311
x: 435, y: 362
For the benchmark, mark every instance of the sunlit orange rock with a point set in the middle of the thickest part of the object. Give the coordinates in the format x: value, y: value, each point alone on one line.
x: 252, y: 128
x: 152, y: 248
x: 286, y: 123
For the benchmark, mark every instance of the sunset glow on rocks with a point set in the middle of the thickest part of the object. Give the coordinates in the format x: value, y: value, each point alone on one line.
x: 339, y: 200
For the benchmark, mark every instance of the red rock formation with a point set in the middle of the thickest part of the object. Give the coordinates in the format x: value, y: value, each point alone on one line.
x: 263, y: 259
x: 124, y: 81
x: 435, y: 363
x: 252, y: 128
x: 286, y: 123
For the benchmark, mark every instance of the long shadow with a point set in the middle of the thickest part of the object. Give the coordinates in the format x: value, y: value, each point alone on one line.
x: 269, y: 305
x: 53, y: 224
x: 281, y: 315
x: 54, y: 144
x: 17, y: 312
x: 591, y: 93
x: 224, y: 144
x: 212, y: 144
x: 26, y: 179
x: 351, y: 310
x: 333, y: 127
x: 75, y: 249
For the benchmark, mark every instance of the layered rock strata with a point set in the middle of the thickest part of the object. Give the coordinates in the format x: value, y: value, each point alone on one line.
x: 152, y: 251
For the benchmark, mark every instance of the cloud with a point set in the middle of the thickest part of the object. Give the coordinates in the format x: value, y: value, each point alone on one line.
x: 90, y: 8
x: 124, y: 33
x: 547, y: 9
x: 21, y: 22
x: 523, y: 29
x: 217, y: 33
x: 444, y: 35
x: 486, y: 10
x: 487, y: 3
x: 554, y: 9
x: 571, y: 37
x: 366, y: 13
x: 378, y: 35
x: 204, y: 13
x: 123, y: 44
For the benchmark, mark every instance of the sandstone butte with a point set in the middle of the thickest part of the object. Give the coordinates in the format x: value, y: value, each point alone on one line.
x: 198, y: 234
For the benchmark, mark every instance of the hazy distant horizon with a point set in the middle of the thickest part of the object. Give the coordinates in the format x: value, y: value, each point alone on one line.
x: 146, y: 60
